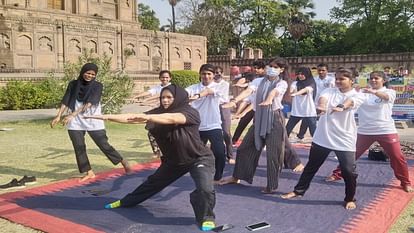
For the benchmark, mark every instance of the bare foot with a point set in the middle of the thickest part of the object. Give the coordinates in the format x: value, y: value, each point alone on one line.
x: 332, y: 178
x: 229, y: 180
x: 127, y: 167
x: 299, y: 168
x: 350, y: 205
x: 408, y: 188
x: 89, y: 175
x: 216, y: 182
x: 156, y: 155
x: 289, y: 195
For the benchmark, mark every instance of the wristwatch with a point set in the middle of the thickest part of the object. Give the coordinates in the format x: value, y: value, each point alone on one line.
x: 340, y: 106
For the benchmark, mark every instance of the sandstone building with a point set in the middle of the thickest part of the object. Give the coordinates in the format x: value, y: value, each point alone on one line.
x: 38, y: 36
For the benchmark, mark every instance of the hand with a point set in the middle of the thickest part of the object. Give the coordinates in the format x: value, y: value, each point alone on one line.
x: 266, y: 103
x: 194, y: 97
x: 230, y: 104
x: 320, y: 110
x: 369, y: 90
x: 337, y: 109
x: 67, y: 119
x: 54, y: 121
x: 293, y: 94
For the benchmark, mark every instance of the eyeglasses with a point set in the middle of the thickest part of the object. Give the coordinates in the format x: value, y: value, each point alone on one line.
x: 322, y: 70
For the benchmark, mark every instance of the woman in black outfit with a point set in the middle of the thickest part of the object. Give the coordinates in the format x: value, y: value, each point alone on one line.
x: 174, y: 126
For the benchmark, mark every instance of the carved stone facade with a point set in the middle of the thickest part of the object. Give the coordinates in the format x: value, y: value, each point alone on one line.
x: 38, y: 36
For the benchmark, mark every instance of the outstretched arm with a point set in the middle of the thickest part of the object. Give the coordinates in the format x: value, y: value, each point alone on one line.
x: 270, y: 97
x: 165, y: 118
x: 301, y: 92
x: 379, y: 94
x: 243, y: 95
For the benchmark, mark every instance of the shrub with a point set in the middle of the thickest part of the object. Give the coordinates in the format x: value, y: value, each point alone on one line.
x: 18, y: 95
x: 184, y: 78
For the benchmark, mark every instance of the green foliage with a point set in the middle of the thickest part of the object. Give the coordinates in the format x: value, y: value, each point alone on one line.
x: 18, y: 95
x: 117, y: 87
x: 147, y: 18
x: 184, y: 78
x: 377, y: 26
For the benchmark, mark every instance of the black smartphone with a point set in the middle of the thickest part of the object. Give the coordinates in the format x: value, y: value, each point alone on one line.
x: 258, y: 226
x: 222, y: 228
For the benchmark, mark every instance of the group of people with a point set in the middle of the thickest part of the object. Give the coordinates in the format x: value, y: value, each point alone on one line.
x: 186, y: 119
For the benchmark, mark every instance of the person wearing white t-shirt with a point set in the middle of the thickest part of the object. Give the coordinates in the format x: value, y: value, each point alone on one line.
x: 336, y: 132
x: 152, y: 95
x: 83, y: 98
x: 303, y: 105
x: 376, y: 124
x: 205, y: 97
x: 322, y: 81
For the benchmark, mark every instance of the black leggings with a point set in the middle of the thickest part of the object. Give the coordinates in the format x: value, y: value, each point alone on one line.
x: 101, y: 140
x: 317, y: 157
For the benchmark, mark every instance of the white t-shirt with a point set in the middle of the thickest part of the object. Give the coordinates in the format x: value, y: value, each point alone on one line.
x: 223, y: 87
x: 207, y: 106
x: 374, y: 115
x: 281, y: 88
x: 303, y: 105
x: 337, y: 131
x: 80, y: 123
x: 156, y: 90
x: 322, y: 84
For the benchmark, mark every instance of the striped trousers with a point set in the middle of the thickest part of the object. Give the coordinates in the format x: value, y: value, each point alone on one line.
x: 248, y: 156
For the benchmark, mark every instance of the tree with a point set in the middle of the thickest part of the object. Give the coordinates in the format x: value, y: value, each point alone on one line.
x: 214, y: 19
x: 173, y: 3
x: 322, y: 38
x: 377, y: 26
x: 297, y: 19
x: 147, y: 18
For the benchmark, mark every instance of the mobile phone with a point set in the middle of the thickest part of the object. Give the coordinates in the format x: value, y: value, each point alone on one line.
x: 222, y: 228
x: 258, y: 226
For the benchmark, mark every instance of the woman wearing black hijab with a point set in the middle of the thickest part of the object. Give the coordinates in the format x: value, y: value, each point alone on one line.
x: 174, y: 126
x: 82, y: 98
x: 303, y: 91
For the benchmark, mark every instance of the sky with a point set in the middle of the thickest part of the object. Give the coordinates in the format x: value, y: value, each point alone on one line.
x: 163, y: 9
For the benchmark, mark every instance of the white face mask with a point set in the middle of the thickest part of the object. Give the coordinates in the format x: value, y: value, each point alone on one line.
x: 272, y: 72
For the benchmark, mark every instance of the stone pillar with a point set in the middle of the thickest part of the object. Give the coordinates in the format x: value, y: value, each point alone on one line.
x: 231, y: 52
x: 248, y: 53
x: 258, y: 54
x: 60, y: 31
x: 120, y: 52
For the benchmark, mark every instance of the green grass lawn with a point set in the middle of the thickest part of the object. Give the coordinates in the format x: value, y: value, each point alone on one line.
x: 33, y: 148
